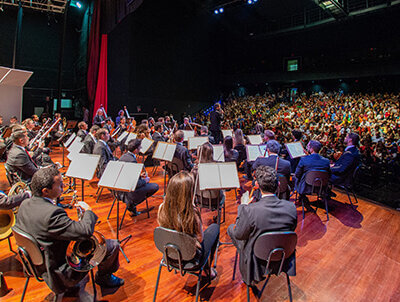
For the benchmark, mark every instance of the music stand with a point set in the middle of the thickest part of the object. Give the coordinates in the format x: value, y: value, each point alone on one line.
x: 165, y: 152
x: 83, y: 166
x: 66, y: 145
x: 295, y: 150
x: 196, y: 141
x: 187, y: 134
x: 227, y: 132
x: 255, y: 139
x: 218, y: 154
x: 255, y: 151
x: 120, y: 176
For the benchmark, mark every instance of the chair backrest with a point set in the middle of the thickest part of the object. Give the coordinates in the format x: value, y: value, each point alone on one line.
x: 275, y: 246
x: 182, y: 245
x: 12, y: 176
x: 209, y: 198
x: 175, y: 166
x: 283, y: 184
x: 29, y: 251
x: 317, y: 178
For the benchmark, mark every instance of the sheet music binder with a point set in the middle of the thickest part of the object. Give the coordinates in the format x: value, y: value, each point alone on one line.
x: 187, y: 134
x: 227, y: 132
x: 130, y: 137
x: 255, y: 151
x: 218, y: 176
x: 122, y: 136
x: 121, y: 176
x: 164, y: 151
x: 218, y: 154
x: 83, y: 166
x: 196, y: 141
x: 75, y: 146
x: 70, y: 140
x: 255, y: 139
x: 145, y: 145
x: 295, y: 149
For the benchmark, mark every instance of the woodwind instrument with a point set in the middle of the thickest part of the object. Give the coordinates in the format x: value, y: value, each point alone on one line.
x: 48, y: 131
x: 40, y: 132
x: 104, y: 112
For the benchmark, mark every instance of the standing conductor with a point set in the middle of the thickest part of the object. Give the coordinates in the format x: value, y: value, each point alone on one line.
x: 216, y: 117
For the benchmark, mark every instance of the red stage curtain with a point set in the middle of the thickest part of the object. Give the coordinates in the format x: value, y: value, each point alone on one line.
x: 93, y: 53
x: 101, y: 91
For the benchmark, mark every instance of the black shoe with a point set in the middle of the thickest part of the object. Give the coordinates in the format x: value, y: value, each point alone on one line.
x: 108, y: 280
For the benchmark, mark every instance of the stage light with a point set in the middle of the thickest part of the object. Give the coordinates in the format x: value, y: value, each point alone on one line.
x: 78, y: 4
x: 250, y: 1
x: 221, y: 10
x: 216, y: 12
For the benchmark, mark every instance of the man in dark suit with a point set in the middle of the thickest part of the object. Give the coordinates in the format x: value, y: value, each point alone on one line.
x: 82, y: 132
x: 90, y: 140
x: 18, y: 158
x: 204, y: 132
x: 101, y: 148
x: 342, y: 170
x: 157, y: 135
x: 53, y: 230
x: 280, y: 165
x: 181, y: 153
x: 143, y: 188
x: 268, y: 214
x: 99, y: 119
x: 10, y: 202
x: 215, y: 123
x: 314, y: 161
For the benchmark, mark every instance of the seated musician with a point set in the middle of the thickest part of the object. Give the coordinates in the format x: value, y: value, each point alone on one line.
x: 143, y: 188
x: 181, y: 152
x: 18, y: 159
x: 239, y: 145
x: 204, y: 132
x: 36, y: 121
x: 29, y: 125
x: 58, y: 130
x: 108, y: 124
x: 268, y: 214
x: 178, y: 213
x: 186, y: 125
x: 231, y: 155
x: 10, y: 202
x: 103, y: 149
x: 90, y: 140
x: 82, y: 132
x: 121, y: 114
x: 99, y: 118
x: 158, y: 133
x: 53, y: 229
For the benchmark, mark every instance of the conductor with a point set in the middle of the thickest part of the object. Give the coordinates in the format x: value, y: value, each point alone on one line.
x: 216, y: 117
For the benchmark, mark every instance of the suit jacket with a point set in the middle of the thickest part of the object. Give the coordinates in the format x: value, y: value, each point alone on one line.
x: 105, y: 156
x: 183, y: 154
x: 53, y: 230
x: 157, y: 137
x: 88, y: 144
x: 98, y: 120
x: 215, y: 120
x: 343, y: 169
x: 82, y: 134
x: 21, y: 163
x: 270, y: 161
x: 10, y: 202
x: 308, y: 163
x: 268, y: 214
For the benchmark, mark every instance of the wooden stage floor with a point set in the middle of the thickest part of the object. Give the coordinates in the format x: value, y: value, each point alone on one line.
x: 353, y: 257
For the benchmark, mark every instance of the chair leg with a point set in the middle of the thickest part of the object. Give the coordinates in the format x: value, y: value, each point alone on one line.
x: 248, y: 293
x: 355, y: 196
x: 108, y: 216
x: 302, y: 205
x: 289, y: 288
x: 94, y: 286
x: 25, y: 287
x: 198, y: 287
x: 158, y: 280
x: 147, y: 206
x: 10, y: 246
x: 348, y: 195
x: 326, y: 208
x: 216, y: 254
x: 234, y: 266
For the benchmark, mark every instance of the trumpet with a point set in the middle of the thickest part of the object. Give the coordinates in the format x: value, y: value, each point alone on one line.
x: 84, y: 255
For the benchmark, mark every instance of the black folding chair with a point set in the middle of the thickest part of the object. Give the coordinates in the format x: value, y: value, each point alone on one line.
x: 273, y: 247
x: 318, y: 180
x: 179, y: 254
x: 12, y: 176
x: 214, y: 200
x: 348, y: 185
x: 283, y: 190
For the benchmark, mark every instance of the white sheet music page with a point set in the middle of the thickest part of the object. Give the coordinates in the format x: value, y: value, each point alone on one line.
x: 218, y: 154
x: 169, y: 152
x: 130, y: 137
x: 110, y: 174
x: 145, y: 145
x: 253, y: 152
x: 295, y: 149
x: 70, y: 139
x: 255, y: 139
x: 209, y: 176
x: 263, y: 150
x: 75, y: 146
x: 196, y: 141
x: 122, y: 136
x: 228, y: 175
x: 187, y: 134
x: 129, y: 176
x: 227, y: 132
x: 83, y: 166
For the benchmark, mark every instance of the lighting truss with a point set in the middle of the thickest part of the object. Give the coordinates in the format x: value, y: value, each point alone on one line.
x: 48, y: 6
x: 334, y: 7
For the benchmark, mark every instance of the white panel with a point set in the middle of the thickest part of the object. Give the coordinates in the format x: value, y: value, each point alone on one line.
x: 10, y: 102
x: 16, y: 78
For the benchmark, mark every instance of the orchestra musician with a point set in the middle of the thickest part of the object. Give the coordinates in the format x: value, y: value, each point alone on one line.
x: 2, y: 127
x: 186, y: 124
x: 121, y: 114
x: 181, y: 152
x: 58, y: 130
x: 216, y: 117
x: 99, y: 118
x: 10, y: 202
x: 29, y: 124
x: 53, y: 229
x: 36, y: 120
x: 82, y: 132
x: 144, y: 188
x: 158, y: 135
x: 90, y: 140
x: 103, y: 149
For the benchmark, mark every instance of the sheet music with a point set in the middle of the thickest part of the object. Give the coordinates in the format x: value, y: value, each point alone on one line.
x: 228, y: 175
x: 130, y: 137
x: 128, y: 177
x: 255, y: 151
x: 75, y: 146
x: 70, y: 139
x: 187, y: 134
x: 110, y: 174
x: 196, y: 141
x: 164, y: 151
x: 226, y: 133
x: 218, y: 154
x: 83, y: 166
x: 122, y: 136
x: 295, y: 150
x: 209, y: 176
x: 255, y: 139
x: 263, y: 150
x: 145, y: 145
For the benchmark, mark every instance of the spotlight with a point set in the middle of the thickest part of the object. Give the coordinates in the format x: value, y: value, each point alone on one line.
x: 78, y: 4
x: 221, y: 10
x: 250, y: 1
x: 216, y: 12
